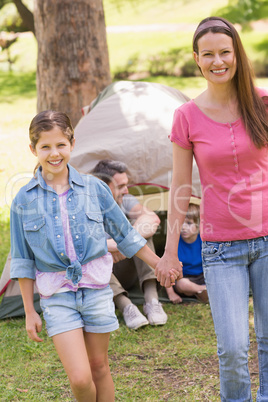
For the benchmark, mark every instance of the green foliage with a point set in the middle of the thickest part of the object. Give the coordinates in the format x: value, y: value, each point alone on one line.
x: 10, y: 19
x: 244, y: 11
x: 3, y: 3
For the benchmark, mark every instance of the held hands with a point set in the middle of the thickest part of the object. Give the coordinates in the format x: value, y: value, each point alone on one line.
x: 33, y: 325
x: 167, y: 270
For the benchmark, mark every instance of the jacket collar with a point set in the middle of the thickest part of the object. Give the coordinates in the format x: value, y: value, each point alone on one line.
x: 74, y: 178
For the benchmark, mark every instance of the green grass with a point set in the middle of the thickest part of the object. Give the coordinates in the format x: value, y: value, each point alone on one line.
x: 133, y: 12
x: 18, y: 106
x: 175, y: 362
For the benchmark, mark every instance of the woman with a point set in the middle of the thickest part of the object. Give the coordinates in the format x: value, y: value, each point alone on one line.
x: 226, y: 129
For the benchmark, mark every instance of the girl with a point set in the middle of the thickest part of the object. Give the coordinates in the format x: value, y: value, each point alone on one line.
x: 226, y: 129
x: 58, y: 225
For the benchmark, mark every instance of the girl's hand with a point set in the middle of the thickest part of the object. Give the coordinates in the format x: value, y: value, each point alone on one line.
x: 167, y: 270
x: 33, y: 325
x: 174, y: 275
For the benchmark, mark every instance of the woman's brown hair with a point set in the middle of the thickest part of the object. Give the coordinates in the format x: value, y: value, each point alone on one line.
x: 252, y: 107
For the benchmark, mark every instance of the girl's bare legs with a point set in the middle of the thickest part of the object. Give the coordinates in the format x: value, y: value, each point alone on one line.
x: 72, y: 352
x: 97, y: 349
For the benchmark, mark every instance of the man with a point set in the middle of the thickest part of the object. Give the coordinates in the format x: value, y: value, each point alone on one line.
x: 127, y: 271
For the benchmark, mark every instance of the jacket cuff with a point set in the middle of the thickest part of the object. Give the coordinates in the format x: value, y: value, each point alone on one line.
x: 22, y: 268
x: 131, y: 244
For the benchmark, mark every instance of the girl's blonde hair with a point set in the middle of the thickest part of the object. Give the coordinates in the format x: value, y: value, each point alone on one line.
x: 252, y: 106
x: 46, y: 121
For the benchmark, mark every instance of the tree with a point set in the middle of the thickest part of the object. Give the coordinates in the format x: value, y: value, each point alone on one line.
x: 73, y: 62
x: 23, y: 19
x: 26, y: 15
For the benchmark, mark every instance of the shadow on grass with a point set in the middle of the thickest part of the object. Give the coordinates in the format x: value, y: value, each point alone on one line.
x: 14, y: 85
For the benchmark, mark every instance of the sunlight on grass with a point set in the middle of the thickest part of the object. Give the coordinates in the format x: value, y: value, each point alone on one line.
x: 16, y: 114
x: 121, y: 12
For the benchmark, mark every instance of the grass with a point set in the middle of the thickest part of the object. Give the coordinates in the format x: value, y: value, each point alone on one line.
x: 175, y: 362
x: 130, y: 12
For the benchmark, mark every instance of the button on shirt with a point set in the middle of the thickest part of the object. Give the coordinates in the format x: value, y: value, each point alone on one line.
x: 37, y: 238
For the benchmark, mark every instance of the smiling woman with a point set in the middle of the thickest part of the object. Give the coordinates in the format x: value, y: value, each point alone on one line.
x: 216, y: 57
x: 226, y: 129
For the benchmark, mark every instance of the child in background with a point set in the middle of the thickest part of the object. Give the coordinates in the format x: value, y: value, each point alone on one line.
x: 189, y: 253
x: 58, y: 224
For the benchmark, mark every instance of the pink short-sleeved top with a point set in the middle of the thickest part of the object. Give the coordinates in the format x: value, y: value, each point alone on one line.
x: 233, y: 174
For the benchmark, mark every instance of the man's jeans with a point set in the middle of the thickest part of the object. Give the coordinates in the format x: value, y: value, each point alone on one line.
x: 230, y: 268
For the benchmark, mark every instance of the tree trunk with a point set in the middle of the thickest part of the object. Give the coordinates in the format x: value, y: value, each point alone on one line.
x: 73, y: 62
x: 26, y: 15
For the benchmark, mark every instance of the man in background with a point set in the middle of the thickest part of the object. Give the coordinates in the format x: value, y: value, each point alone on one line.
x: 126, y: 272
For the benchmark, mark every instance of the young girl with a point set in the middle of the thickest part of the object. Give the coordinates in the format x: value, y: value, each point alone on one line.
x: 58, y: 224
x: 226, y: 129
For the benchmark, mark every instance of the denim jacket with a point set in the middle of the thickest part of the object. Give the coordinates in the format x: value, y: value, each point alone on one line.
x: 37, y: 238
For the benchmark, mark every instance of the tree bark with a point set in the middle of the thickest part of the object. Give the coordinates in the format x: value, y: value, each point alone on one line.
x: 26, y: 15
x: 73, y: 62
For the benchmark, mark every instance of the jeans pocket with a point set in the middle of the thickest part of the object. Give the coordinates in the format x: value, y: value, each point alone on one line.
x: 211, y: 250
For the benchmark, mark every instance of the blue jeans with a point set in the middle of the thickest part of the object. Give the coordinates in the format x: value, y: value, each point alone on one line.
x: 230, y: 268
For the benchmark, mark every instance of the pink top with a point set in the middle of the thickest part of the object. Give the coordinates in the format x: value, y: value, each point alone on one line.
x: 233, y: 174
x: 95, y: 274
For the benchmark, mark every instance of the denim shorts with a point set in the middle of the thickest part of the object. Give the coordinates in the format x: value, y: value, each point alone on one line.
x: 90, y: 309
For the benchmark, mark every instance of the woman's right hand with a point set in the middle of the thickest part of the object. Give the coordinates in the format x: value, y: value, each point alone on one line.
x: 33, y: 326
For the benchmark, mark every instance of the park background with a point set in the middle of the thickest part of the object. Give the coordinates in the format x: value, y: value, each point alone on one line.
x: 148, y: 40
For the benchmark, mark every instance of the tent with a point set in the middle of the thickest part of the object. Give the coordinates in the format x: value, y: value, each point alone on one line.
x: 128, y: 121
x: 131, y: 121
x: 12, y: 305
